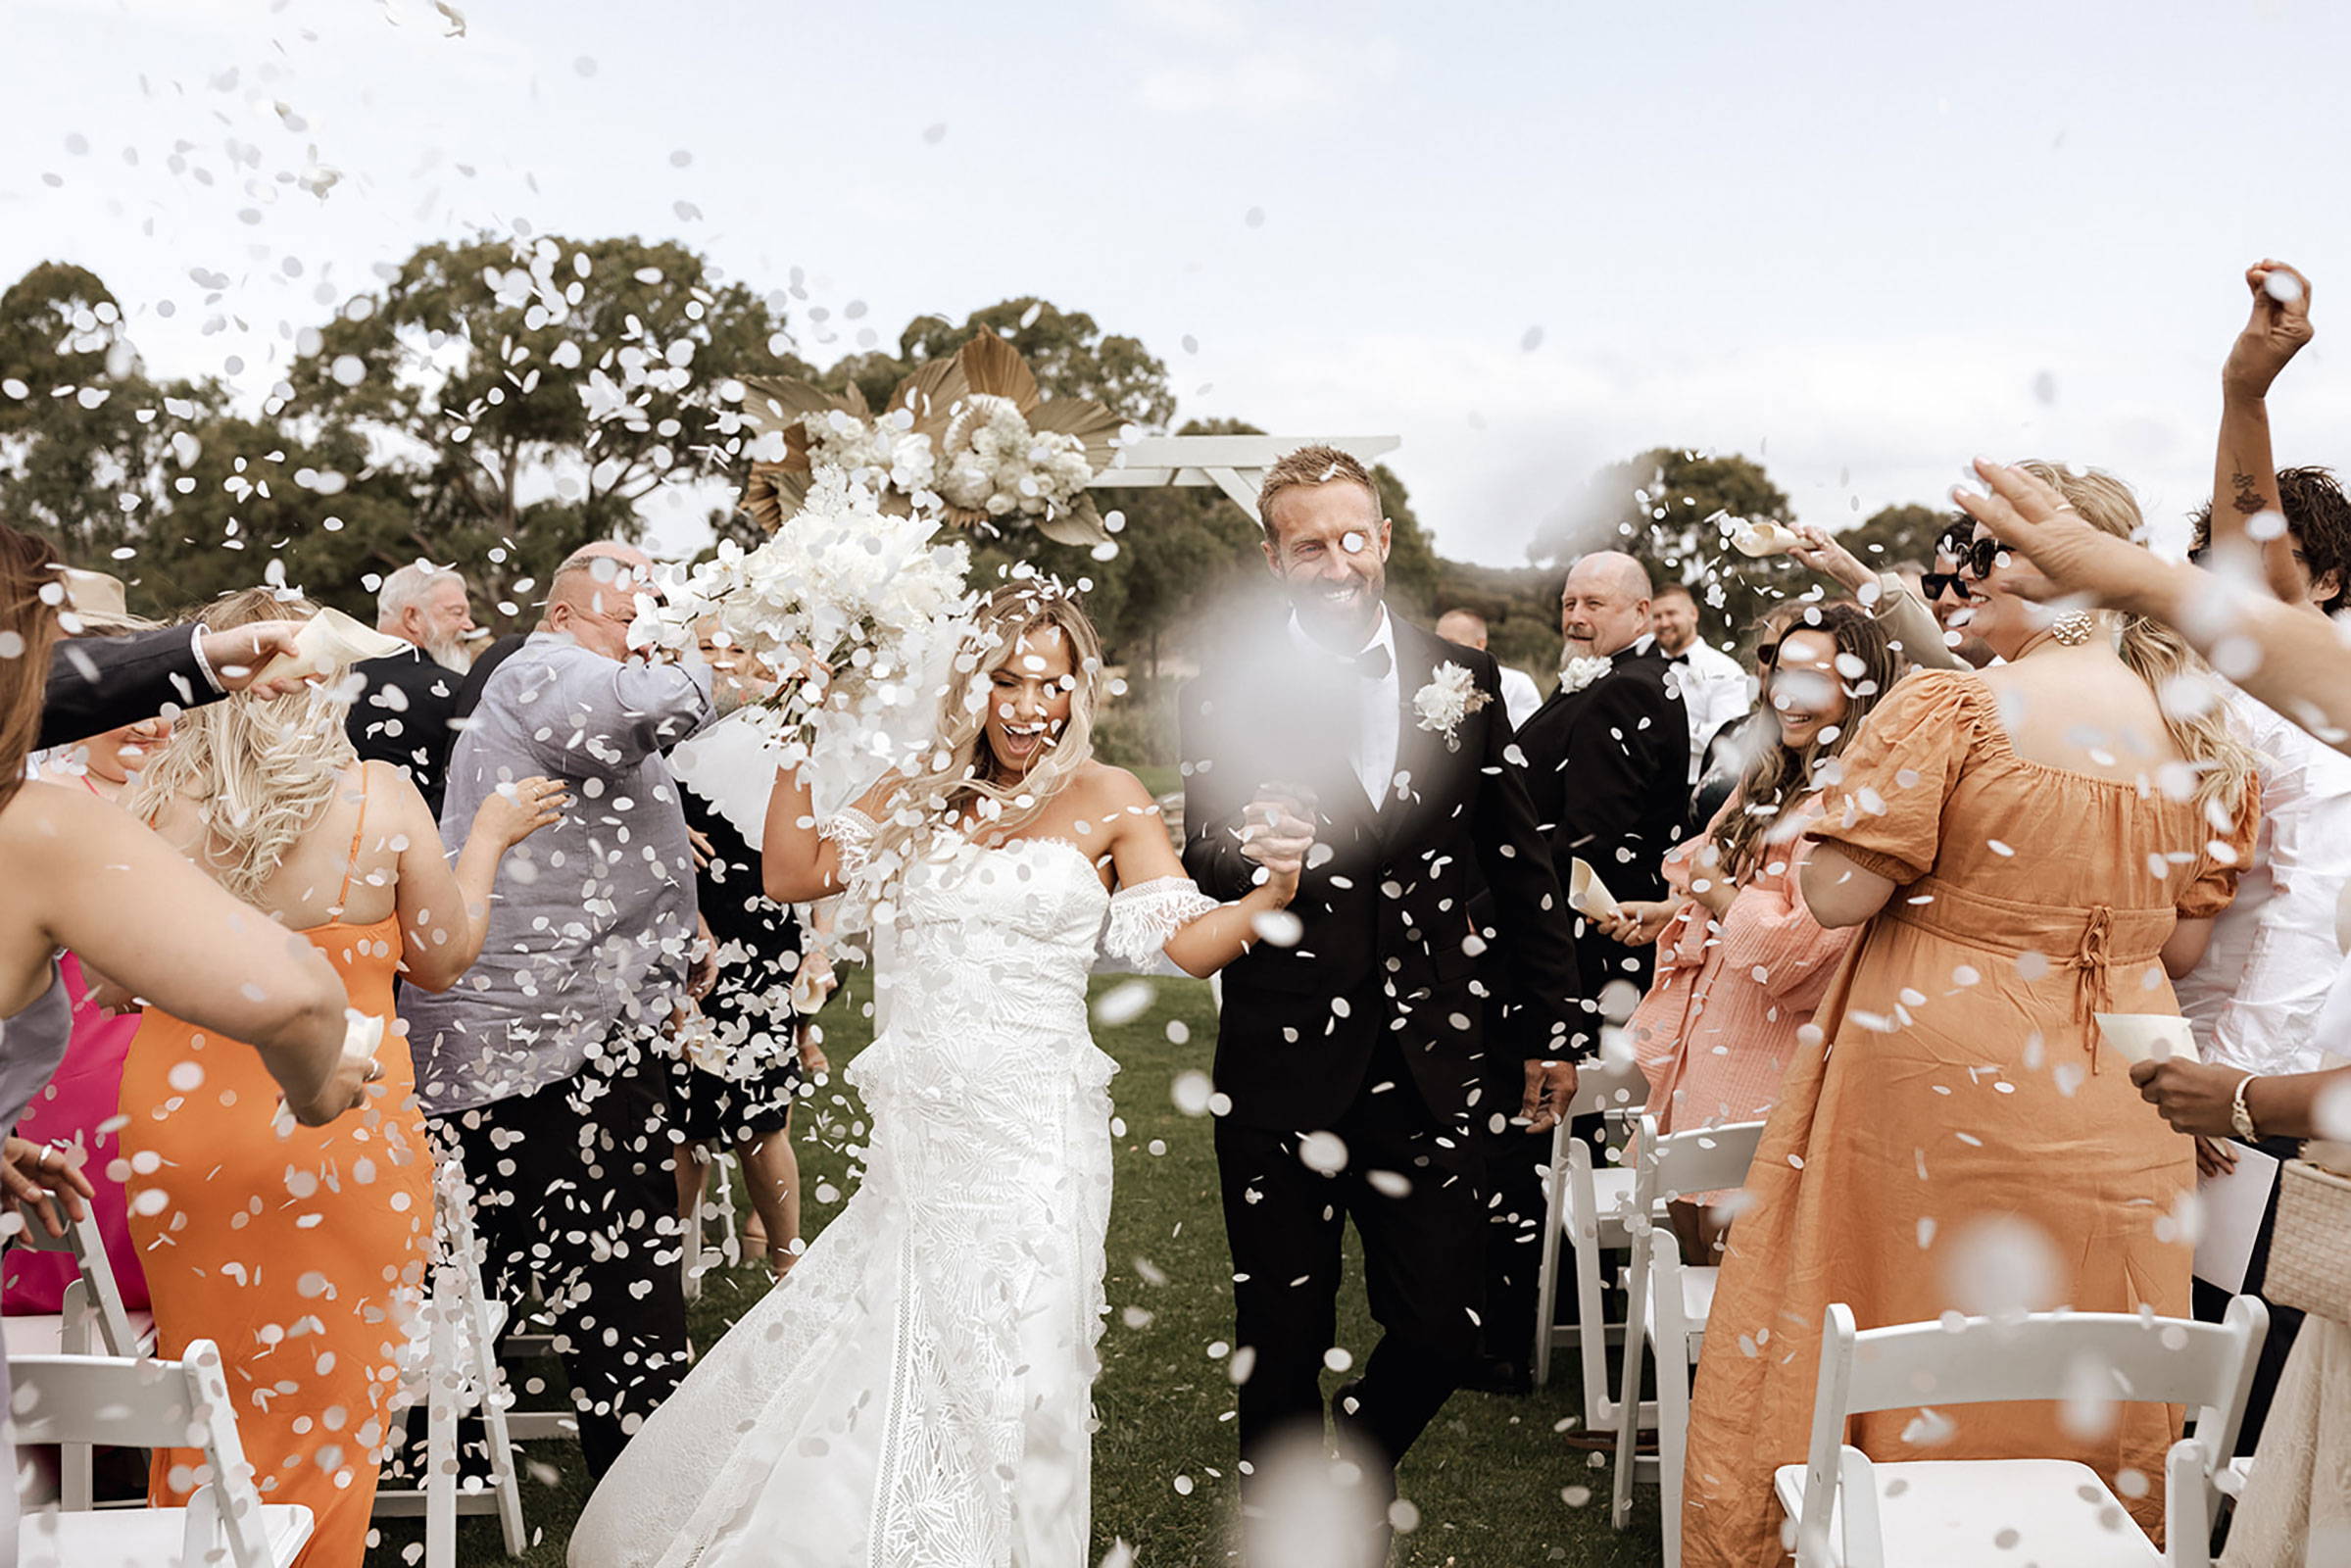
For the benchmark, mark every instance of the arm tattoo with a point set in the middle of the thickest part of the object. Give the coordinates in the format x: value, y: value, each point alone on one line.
x: 2247, y: 500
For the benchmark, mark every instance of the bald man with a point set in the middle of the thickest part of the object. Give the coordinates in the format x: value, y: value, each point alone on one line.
x: 1607, y: 765
x: 541, y: 1066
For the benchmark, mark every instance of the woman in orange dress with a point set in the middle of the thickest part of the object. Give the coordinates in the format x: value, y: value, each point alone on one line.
x: 2027, y: 845
x: 1714, y: 1047
x: 299, y: 1251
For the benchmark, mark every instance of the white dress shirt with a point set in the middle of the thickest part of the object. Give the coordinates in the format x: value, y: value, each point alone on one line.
x: 1379, y: 713
x: 1520, y: 696
x: 1715, y: 691
x: 2254, y: 997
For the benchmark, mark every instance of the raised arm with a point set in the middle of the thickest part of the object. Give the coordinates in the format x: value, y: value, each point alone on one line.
x: 1158, y: 904
x: 2244, y: 478
x: 2295, y: 661
x: 139, y: 912
x: 100, y: 683
x: 1908, y: 621
x: 445, y: 909
x: 799, y: 861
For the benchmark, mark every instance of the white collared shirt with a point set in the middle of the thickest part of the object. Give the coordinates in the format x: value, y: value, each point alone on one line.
x: 1521, y: 696
x: 1379, y: 713
x: 2254, y: 997
x: 1715, y: 691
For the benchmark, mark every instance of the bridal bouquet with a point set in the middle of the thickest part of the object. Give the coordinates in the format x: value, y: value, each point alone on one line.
x: 869, y: 594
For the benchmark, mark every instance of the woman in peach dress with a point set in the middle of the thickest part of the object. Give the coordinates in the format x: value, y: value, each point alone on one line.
x: 2027, y: 845
x: 1714, y: 1051
x: 299, y: 1251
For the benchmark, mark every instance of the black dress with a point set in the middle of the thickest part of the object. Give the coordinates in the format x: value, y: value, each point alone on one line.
x: 750, y: 1014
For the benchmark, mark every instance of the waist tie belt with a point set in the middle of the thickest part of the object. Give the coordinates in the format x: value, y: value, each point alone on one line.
x: 2088, y: 939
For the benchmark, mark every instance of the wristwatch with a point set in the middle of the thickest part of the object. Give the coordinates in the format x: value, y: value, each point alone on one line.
x: 2240, y: 1118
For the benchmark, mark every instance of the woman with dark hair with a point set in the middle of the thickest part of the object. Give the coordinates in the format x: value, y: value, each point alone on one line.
x: 1713, y: 1050
x: 85, y: 876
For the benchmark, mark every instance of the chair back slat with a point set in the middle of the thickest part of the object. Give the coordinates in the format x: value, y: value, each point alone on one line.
x: 1609, y: 1084
x: 1703, y: 1160
x: 106, y: 1400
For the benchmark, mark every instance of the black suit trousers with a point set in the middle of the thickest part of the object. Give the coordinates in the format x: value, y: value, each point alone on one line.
x: 1412, y: 1189
x: 573, y: 1193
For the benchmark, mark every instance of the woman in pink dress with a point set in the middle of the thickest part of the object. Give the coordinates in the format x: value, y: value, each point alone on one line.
x: 1713, y: 1053
x: 76, y: 1111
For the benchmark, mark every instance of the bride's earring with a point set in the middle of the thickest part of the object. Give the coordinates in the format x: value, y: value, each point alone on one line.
x: 2073, y: 629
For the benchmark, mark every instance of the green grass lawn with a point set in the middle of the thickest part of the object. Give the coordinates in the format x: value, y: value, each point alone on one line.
x: 1495, y: 1485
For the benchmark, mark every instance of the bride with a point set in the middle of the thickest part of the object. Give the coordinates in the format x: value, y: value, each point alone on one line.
x: 916, y: 1392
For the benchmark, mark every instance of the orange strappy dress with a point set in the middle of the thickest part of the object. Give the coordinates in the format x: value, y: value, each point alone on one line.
x: 299, y: 1251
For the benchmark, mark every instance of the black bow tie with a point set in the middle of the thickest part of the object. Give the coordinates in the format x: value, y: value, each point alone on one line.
x: 1373, y: 664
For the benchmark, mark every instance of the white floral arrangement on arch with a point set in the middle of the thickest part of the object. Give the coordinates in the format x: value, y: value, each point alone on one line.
x: 887, y: 452
x: 998, y: 466
x: 868, y: 593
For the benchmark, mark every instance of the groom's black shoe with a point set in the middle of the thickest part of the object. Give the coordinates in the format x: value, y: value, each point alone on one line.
x: 1494, y: 1373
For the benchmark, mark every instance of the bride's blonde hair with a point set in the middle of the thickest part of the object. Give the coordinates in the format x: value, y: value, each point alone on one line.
x: 959, y: 777
x: 259, y: 773
x: 2186, y: 689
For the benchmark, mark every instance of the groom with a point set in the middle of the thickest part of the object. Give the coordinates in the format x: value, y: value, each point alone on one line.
x: 1350, y: 1054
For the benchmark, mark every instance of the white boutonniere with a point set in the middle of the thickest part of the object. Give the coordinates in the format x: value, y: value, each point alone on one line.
x: 1578, y: 673
x: 1448, y: 700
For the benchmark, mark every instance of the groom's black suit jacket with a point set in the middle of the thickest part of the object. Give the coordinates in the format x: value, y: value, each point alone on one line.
x: 1387, y: 947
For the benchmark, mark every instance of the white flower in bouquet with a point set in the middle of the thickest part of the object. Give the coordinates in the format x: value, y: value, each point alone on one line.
x: 998, y: 466
x: 865, y: 592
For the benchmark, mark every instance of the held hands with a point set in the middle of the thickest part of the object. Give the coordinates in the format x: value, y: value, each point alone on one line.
x: 1639, y: 922
x: 513, y: 812
x: 1277, y: 833
x: 30, y: 1171
x: 1550, y: 1088
x: 2275, y: 333
x: 237, y: 655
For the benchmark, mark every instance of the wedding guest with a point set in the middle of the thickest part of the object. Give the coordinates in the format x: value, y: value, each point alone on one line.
x: 301, y: 1254
x: 1520, y: 695
x: 74, y: 1112
x: 85, y: 877
x: 1716, y: 692
x: 1916, y: 621
x: 546, y: 1070
x: 1609, y: 756
x: 1741, y: 963
x: 402, y: 712
x: 1364, y: 1032
x: 100, y: 683
x: 1741, y: 746
x: 2027, y: 847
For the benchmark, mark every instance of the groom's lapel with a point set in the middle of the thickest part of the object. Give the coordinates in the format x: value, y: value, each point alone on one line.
x: 1419, y: 752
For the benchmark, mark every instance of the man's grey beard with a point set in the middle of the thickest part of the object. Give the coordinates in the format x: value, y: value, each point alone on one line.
x: 451, y: 654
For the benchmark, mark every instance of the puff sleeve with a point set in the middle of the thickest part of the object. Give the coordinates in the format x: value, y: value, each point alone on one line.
x: 2224, y: 858
x: 1883, y: 805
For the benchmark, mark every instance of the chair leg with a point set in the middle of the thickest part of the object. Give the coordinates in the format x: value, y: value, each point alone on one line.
x: 1546, y: 1282
x: 1673, y: 1441
x: 442, y: 1380
x: 1628, y: 1408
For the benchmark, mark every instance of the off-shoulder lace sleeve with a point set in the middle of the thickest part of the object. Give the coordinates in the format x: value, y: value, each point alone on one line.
x: 1144, y: 917
x: 851, y: 832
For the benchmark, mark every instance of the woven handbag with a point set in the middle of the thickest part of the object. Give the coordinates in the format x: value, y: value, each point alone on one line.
x: 2310, y: 1247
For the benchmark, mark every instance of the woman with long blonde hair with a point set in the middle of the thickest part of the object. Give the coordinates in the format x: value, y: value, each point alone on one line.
x: 300, y: 1253
x: 918, y: 1388
x: 2022, y: 849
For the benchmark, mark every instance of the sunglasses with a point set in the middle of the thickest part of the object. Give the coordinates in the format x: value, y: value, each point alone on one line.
x: 1976, y: 560
x: 1935, y: 584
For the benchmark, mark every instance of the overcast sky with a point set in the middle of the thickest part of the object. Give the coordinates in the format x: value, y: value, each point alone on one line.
x: 1859, y: 242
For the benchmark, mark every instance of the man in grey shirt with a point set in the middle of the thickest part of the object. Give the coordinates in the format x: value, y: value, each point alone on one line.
x: 543, y: 1066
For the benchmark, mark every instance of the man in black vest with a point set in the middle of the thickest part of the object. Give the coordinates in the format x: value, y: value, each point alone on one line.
x: 405, y: 701
x: 1607, y: 766
x: 1349, y: 1048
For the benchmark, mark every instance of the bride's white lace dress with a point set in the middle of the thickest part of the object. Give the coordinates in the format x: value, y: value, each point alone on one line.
x: 916, y: 1392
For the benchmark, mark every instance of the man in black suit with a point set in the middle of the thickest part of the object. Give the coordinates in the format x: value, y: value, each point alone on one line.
x: 1350, y: 1046
x: 1607, y: 766
x: 100, y: 683
x: 405, y: 701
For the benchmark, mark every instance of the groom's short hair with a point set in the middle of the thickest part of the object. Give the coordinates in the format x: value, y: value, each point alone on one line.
x: 1304, y: 468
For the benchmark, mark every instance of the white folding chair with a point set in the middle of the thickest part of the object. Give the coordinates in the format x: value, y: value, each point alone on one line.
x: 1671, y: 1300
x: 92, y: 1305
x: 107, y: 1401
x: 461, y: 1374
x: 1853, y: 1513
x: 1587, y: 1207
x: 697, y: 1256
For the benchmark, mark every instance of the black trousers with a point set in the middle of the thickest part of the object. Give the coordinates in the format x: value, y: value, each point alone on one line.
x: 1411, y: 1188
x: 2212, y: 1304
x: 573, y: 1193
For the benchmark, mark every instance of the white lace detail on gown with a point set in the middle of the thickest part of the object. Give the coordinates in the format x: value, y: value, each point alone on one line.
x: 917, y: 1393
x: 1144, y: 917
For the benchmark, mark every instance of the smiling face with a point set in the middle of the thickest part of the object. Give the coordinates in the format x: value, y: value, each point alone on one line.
x: 1029, y: 698
x: 1674, y: 618
x: 2002, y: 586
x: 1604, y: 606
x: 1807, y: 693
x: 1328, y: 543
x: 439, y: 623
